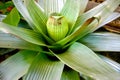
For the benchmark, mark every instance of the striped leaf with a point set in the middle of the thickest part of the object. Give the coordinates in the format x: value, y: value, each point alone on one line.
x: 84, y: 60
x: 10, y: 41
x: 17, y: 65
x: 44, y: 68
x: 26, y: 34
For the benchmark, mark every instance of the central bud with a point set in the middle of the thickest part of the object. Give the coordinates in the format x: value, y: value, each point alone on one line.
x: 57, y: 27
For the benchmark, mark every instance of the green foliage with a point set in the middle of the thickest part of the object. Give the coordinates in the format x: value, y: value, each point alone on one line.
x: 40, y: 57
x: 13, y: 18
x: 6, y: 7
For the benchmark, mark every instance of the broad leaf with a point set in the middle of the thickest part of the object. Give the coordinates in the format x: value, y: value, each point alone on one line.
x: 38, y: 17
x: 84, y: 60
x: 26, y: 34
x: 102, y: 11
x: 16, y: 66
x: 10, y: 41
x: 71, y: 10
x: 114, y: 64
x: 102, y: 41
x: 85, y: 29
x: 112, y: 17
x: 13, y: 18
x: 24, y: 12
x: 44, y: 68
x: 51, y: 6
x: 69, y: 74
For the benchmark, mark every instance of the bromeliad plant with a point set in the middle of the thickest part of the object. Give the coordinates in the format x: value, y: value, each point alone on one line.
x: 60, y: 41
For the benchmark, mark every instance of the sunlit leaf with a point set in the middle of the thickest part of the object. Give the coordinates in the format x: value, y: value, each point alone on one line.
x: 56, y: 6
x: 16, y: 66
x: 115, y: 65
x: 10, y: 41
x: 24, y: 12
x: 38, y: 17
x: 102, y: 11
x: 23, y: 33
x: 102, y: 41
x: 13, y: 18
x: 44, y: 68
x: 71, y: 10
x: 84, y: 60
x: 85, y: 29
x: 112, y: 17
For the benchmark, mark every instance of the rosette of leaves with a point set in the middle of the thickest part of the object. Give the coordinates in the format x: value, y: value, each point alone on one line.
x: 60, y: 42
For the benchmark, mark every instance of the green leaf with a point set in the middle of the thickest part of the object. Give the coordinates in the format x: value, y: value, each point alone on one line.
x: 34, y: 16
x: 112, y: 17
x: 10, y: 41
x: 44, y: 68
x: 39, y: 18
x: 51, y: 6
x: 102, y: 11
x: 102, y: 41
x: 13, y: 18
x: 82, y: 31
x: 8, y: 3
x: 114, y: 64
x: 17, y: 65
x: 24, y: 12
x: 1, y: 5
x: 37, y: 15
x: 84, y: 60
x: 26, y: 34
x: 71, y: 10
x: 69, y: 74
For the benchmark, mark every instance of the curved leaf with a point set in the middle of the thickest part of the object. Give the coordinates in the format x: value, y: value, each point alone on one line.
x: 17, y: 65
x: 84, y: 60
x: 79, y: 33
x: 37, y: 15
x: 102, y: 11
x: 26, y: 34
x: 51, y: 6
x: 10, y: 41
x: 44, y: 68
x: 39, y: 18
x: 112, y: 17
x: 24, y: 12
x: 69, y: 74
x: 71, y: 10
x: 102, y: 41
x: 84, y: 30
x: 13, y: 18
x: 115, y: 65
